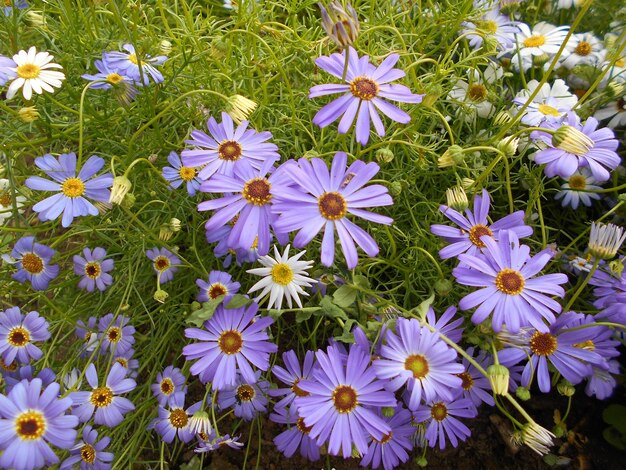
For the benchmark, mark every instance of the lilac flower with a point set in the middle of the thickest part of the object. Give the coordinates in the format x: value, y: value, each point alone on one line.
x: 109, y: 77
x: 168, y: 383
x: 476, y: 387
x: 467, y: 238
x: 140, y: 69
x: 94, y: 269
x: 174, y: 421
x: 505, y: 272
x: 494, y: 25
x: 17, y: 334
x: 562, y: 348
x: 11, y: 379
x: 287, y: 442
x: 365, y: 88
x: 72, y: 189
x: 393, y: 448
x: 234, y: 339
x: 7, y: 66
x: 441, y: 421
x: 325, y: 201
x: 227, y: 149
x: 291, y: 376
x: 219, y: 283
x: 213, y: 442
x: 575, y: 145
x: 31, y: 420
x: 452, y: 329
x: 164, y: 263
x: 117, y: 334
x: 104, y: 400
x: 247, y: 399
x: 338, y: 407
x: 33, y: 263
x: 420, y: 359
x: 178, y: 174
x: 89, y: 453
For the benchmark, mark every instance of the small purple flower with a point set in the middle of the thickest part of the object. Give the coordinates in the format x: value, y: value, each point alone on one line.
x: 17, y: 334
x: 233, y: 339
x: 7, y: 67
x: 164, y: 263
x: 31, y: 420
x: 291, y: 376
x: 73, y: 189
x: 227, y: 149
x: 89, y: 453
x: 174, y: 421
x: 104, y: 400
x: 339, y: 407
x: 287, y: 442
x: 324, y: 202
x: 575, y: 146
x: 11, y: 379
x: 441, y: 421
x: 394, y: 447
x: 219, y: 283
x: 365, y: 88
x: 419, y: 358
x: 247, y: 399
x: 505, y: 272
x: 467, y: 238
x: 178, y: 174
x: 139, y: 69
x: 33, y: 263
x: 117, y: 334
x: 168, y: 383
x: 94, y: 269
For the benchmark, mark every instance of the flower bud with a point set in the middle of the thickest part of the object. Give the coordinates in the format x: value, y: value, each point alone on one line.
x: 384, y: 155
x: 498, y: 378
x: 119, y: 190
x: 28, y: 114
x: 341, y: 25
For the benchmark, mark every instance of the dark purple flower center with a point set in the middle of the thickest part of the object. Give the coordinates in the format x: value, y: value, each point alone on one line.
x: 161, y: 263
x: 418, y: 365
x: 92, y: 270
x: 302, y: 427
x: 88, y: 454
x: 245, y: 392
x: 30, y: 425
x: 364, y: 88
x: 178, y: 418
x: 510, y: 282
x: 467, y: 381
x: 229, y: 150
x: 345, y: 399
x: 257, y: 191
x: 439, y: 411
x: 101, y: 397
x: 230, y: 342
x: 18, y: 337
x: 478, y: 231
x: 216, y: 290
x: 186, y: 173
x: 543, y: 344
x: 166, y: 386
x: 297, y: 390
x: 583, y: 48
x: 32, y: 263
x: 332, y: 206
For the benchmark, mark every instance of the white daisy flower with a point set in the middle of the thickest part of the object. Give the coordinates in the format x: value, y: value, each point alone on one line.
x: 584, y: 48
x: 539, y: 44
x: 284, y: 277
x: 6, y: 201
x: 550, y: 104
x: 473, y: 95
x: 576, y: 189
x: 616, y: 111
x: 34, y: 74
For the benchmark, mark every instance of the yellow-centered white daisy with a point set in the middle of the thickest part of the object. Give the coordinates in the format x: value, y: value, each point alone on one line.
x: 33, y: 74
x: 283, y: 278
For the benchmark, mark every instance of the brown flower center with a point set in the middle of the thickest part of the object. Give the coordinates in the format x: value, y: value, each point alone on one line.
x: 439, y: 411
x: 230, y: 342
x: 18, y: 337
x: 332, y: 206
x: 101, y: 397
x: 257, y: 191
x: 92, y: 270
x: 215, y: 290
x: 166, y: 386
x: 345, y: 399
x: 535, y: 40
x: 161, y: 263
x: 32, y: 263
x: 478, y: 231
x: 245, y: 392
x: 583, y: 48
x: 229, y: 150
x: 73, y: 187
x: 30, y: 425
x: 28, y: 71
x: 510, y: 282
x: 88, y: 454
x: 577, y: 182
x: 364, y: 88
x: 186, y: 173
x: 543, y: 344
x: 417, y: 364
x: 476, y: 92
x: 467, y: 380
x: 178, y: 418
x: 304, y: 429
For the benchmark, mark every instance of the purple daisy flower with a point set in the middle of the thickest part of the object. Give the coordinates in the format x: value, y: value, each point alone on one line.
x: 168, y: 383
x: 33, y: 263
x: 297, y: 436
x: 129, y: 64
x: 419, y: 358
x: 174, y: 421
x: 7, y: 67
x: 233, y: 339
x: 17, y: 334
x: 11, y: 379
x: 164, y: 263
x: 227, y: 149
x: 394, y: 447
x: 325, y: 200
x: 178, y: 174
x: 338, y: 407
x: 219, y: 283
x: 94, y: 269
x: 73, y: 189
x: 31, y: 420
x: 365, y: 88
x: 247, y: 399
x: 291, y: 376
x: 441, y: 421
x: 467, y: 238
x: 88, y: 453
x: 117, y: 334
x: 563, y: 348
x: 104, y: 400
x: 445, y: 325
x: 505, y: 272
x: 575, y: 146
x: 476, y: 387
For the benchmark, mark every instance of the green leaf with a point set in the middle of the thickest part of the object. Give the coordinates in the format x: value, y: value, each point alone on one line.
x: 198, y: 317
x: 345, y: 295
x: 331, y: 310
x: 361, y: 281
x: 238, y: 300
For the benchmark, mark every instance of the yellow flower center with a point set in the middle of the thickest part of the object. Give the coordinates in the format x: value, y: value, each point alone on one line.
x: 535, y: 40
x: 30, y: 425
x: 332, y: 206
x: 439, y: 411
x: 18, y: 337
x: 186, y: 173
x: 114, y: 78
x: 548, y: 110
x: 282, y: 274
x: 178, y: 418
x: 417, y: 364
x: 510, y: 282
x: 32, y: 263
x: 478, y: 231
x: 216, y: 290
x: 583, y: 48
x: 364, y: 88
x: 101, y: 397
x: 476, y: 92
x: 345, y: 399
x: 166, y: 386
x: 73, y: 187
x: 245, y: 392
x: 543, y: 344
x: 28, y: 71
x: 577, y: 182
x: 161, y: 263
x: 230, y: 342
x: 229, y: 150
x: 88, y: 453
x: 93, y: 270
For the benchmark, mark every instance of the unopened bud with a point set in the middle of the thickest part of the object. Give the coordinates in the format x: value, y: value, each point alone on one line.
x: 498, y: 378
